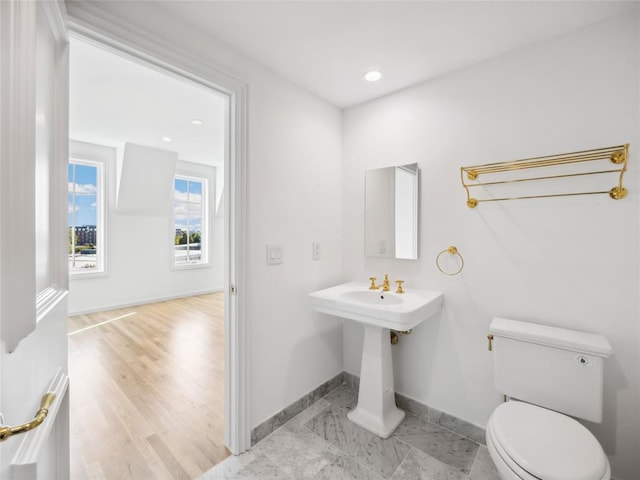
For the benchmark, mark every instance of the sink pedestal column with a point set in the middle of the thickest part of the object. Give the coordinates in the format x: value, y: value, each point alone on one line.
x: 376, y: 410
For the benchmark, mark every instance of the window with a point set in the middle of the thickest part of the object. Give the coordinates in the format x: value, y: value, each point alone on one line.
x: 85, y: 220
x: 189, y: 214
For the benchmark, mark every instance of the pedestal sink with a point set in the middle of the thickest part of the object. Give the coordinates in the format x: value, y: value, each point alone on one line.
x: 378, y: 312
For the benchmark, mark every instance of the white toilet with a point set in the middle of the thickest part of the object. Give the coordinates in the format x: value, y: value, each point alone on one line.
x: 548, y: 370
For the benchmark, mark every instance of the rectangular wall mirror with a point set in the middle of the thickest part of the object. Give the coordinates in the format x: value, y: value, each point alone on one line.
x: 391, y: 212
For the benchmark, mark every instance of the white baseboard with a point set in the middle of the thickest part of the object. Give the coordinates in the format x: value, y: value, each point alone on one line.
x: 142, y: 301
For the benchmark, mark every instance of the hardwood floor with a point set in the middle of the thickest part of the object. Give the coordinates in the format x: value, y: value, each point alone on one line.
x: 147, y: 390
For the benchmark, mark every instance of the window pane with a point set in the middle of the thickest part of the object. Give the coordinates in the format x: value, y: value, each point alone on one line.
x: 181, y: 212
x: 83, y: 217
x: 188, y: 220
x: 86, y: 211
x: 86, y: 179
x: 195, y: 225
x: 181, y: 190
x: 181, y: 185
x: 195, y: 188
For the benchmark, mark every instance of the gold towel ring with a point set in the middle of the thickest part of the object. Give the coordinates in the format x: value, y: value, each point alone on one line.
x: 453, y: 251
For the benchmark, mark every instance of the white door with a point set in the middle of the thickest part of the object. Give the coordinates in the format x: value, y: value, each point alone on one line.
x: 33, y: 236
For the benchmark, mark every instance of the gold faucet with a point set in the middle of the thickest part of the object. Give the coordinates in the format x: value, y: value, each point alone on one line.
x: 384, y: 286
x: 399, y: 284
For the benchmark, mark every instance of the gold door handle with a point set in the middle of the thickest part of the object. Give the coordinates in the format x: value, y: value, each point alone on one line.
x: 41, y: 414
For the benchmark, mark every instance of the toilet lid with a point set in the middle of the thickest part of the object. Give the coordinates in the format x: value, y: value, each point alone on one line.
x: 547, y: 444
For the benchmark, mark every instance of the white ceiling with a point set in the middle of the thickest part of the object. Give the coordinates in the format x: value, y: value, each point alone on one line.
x: 114, y: 100
x: 323, y: 46
x: 326, y: 46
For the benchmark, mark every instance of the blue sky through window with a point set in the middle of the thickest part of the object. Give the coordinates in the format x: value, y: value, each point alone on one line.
x: 85, y: 178
x: 188, y: 205
x: 82, y: 196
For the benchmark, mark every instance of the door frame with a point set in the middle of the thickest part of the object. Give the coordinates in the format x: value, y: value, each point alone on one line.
x: 101, y: 28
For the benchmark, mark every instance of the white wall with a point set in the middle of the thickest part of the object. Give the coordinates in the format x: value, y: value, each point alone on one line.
x: 294, y: 198
x: 570, y: 262
x: 145, y: 181
x: 145, y: 273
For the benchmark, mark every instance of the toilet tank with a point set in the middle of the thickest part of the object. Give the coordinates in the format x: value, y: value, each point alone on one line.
x: 552, y: 367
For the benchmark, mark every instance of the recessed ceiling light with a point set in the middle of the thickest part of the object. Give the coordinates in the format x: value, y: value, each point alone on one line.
x: 373, y: 76
x: 196, y: 121
x: 166, y: 139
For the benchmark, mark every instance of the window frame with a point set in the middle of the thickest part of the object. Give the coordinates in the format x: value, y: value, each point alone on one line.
x: 205, y: 231
x: 101, y: 218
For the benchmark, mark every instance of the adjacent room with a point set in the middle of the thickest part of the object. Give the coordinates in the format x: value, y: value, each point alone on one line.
x: 146, y: 261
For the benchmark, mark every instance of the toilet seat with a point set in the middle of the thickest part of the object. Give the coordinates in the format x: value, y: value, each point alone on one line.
x: 535, y: 443
x: 507, y: 468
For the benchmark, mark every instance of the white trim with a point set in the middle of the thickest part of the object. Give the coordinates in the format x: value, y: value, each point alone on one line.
x: 143, y: 301
x: 189, y: 266
x: 59, y: 186
x: 106, y: 156
x: 55, y: 18
x: 30, y: 450
x: 97, y: 273
x: 102, y: 201
x: 17, y: 186
x: 57, y: 165
x: 209, y: 173
x: 236, y: 326
x: 206, y: 219
x: 94, y: 24
x: 87, y: 20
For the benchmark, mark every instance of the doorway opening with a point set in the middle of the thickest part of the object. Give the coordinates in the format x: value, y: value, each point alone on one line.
x: 148, y: 268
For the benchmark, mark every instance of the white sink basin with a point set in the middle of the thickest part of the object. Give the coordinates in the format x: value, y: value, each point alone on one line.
x: 378, y: 312
x: 371, y: 297
x: 396, y: 311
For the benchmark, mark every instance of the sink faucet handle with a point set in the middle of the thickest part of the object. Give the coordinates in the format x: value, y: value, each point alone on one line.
x: 399, y: 289
x: 373, y: 285
x: 385, y: 284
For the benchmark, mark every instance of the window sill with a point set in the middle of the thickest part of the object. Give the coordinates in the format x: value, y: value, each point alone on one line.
x: 82, y: 275
x: 190, y: 266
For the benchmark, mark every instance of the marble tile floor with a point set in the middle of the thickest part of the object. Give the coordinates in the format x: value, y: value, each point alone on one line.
x: 321, y: 443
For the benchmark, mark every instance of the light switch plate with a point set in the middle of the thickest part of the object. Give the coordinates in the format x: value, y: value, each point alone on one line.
x: 274, y: 254
x: 316, y: 250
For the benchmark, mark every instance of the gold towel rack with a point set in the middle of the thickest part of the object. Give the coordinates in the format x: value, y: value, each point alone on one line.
x: 617, y: 155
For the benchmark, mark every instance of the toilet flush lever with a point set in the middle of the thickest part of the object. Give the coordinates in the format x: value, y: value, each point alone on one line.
x: 490, y: 338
